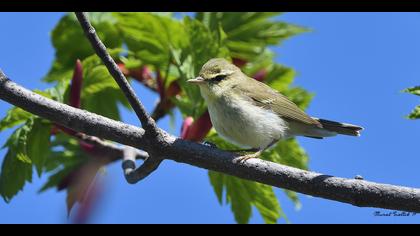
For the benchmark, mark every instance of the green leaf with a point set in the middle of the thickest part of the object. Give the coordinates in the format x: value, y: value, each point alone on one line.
x: 279, y: 77
x: 266, y: 202
x: 14, y: 174
x: 62, y: 162
x: 56, y: 178
x: 16, y: 166
x: 299, y: 96
x: 14, y: 116
x: 413, y: 90
x: 287, y: 152
x: 248, y: 34
x: 150, y: 36
x: 17, y: 141
x: 203, y: 44
x: 240, y: 199
x: 70, y: 43
x: 294, y: 198
x: 57, y: 93
x: 217, y: 181
x: 100, y: 93
x: 415, y: 114
x: 243, y: 194
x: 38, y: 143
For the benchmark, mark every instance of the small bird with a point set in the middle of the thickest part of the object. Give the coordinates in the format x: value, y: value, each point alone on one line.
x: 252, y: 115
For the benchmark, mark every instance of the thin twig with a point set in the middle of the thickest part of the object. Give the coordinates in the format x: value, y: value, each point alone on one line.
x: 151, y: 163
x: 353, y: 191
x: 133, y: 175
x: 111, y: 151
x: 147, y: 122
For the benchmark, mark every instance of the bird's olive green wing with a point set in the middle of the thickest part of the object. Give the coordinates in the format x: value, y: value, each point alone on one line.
x: 264, y: 96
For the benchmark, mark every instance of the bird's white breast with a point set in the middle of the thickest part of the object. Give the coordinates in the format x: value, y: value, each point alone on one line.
x: 244, y: 124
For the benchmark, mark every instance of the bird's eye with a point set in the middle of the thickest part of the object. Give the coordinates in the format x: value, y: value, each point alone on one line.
x: 219, y: 78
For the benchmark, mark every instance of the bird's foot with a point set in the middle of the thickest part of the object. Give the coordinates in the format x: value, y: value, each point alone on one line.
x: 247, y: 157
x: 209, y: 144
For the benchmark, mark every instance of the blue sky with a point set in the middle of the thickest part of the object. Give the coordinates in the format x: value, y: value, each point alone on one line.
x: 356, y: 64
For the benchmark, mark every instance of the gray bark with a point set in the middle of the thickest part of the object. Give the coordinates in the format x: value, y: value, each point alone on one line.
x: 353, y: 191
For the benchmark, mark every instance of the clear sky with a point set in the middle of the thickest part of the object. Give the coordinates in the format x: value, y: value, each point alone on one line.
x: 356, y: 64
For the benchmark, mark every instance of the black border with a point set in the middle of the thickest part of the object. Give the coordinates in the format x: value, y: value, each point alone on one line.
x: 210, y: 5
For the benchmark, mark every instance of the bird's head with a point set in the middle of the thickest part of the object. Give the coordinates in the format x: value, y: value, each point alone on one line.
x: 216, y: 77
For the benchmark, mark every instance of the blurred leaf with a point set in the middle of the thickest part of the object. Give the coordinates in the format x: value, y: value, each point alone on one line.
x: 82, y: 179
x: 217, y: 181
x: 16, y: 167
x: 415, y: 114
x: 38, y: 143
x: 100, y: 93
x: 279, y: 77
x: 65, y: 154
x: 203, y: 44
x: 243, y: 194
x: 248, y: 34
x: 299, y: 96
x: 294, y: 198
x: 56, y: 178
x: 57, y: 93
x: 413, y: 90
x: 14, y: 116
x: 150, y: 36
x: 14, y: 174
x: 70, y: 43
x: 75, y: 171
x: 287, y: 152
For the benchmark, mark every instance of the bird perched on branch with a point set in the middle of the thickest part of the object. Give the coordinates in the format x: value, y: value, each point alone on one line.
x: 251, y: 114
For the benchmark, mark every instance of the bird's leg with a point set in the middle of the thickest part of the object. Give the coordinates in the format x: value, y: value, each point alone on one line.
x: 254, y: 155
x: 249, y: 156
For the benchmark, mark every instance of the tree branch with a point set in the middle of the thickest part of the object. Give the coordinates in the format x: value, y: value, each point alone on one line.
x: 100, y: 49
x: 133, y: 175
x: 111, y: 151
x: 353, y: 191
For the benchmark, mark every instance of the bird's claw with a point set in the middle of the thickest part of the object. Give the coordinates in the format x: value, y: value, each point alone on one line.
x: 244, y: 158
x: 209, y: 144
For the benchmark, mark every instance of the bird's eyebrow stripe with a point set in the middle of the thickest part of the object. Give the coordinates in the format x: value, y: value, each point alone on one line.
x: 223, y: 73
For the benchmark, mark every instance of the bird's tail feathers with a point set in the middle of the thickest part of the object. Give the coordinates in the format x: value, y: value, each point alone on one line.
x: 340, y: 128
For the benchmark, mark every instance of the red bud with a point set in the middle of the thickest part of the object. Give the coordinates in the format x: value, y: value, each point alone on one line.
x: 238, y: 62
x: 58, y: 127
x: 54, y: 130
x: 173, y: 89
x: 198, y: 130
x: 123, y: 69
x: 76, y: 85
x: 186, y: 126
x: 87, y: 147
x: 141, y: 74
x: 260, y: 75
x: 90, y: 202
x: 74, y: 99
x: 160, y: 85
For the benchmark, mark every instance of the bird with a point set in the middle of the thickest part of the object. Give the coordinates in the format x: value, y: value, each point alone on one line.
x: 251, y: 114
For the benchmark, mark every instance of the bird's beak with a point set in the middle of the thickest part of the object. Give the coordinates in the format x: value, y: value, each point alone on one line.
x: 198, y: 80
